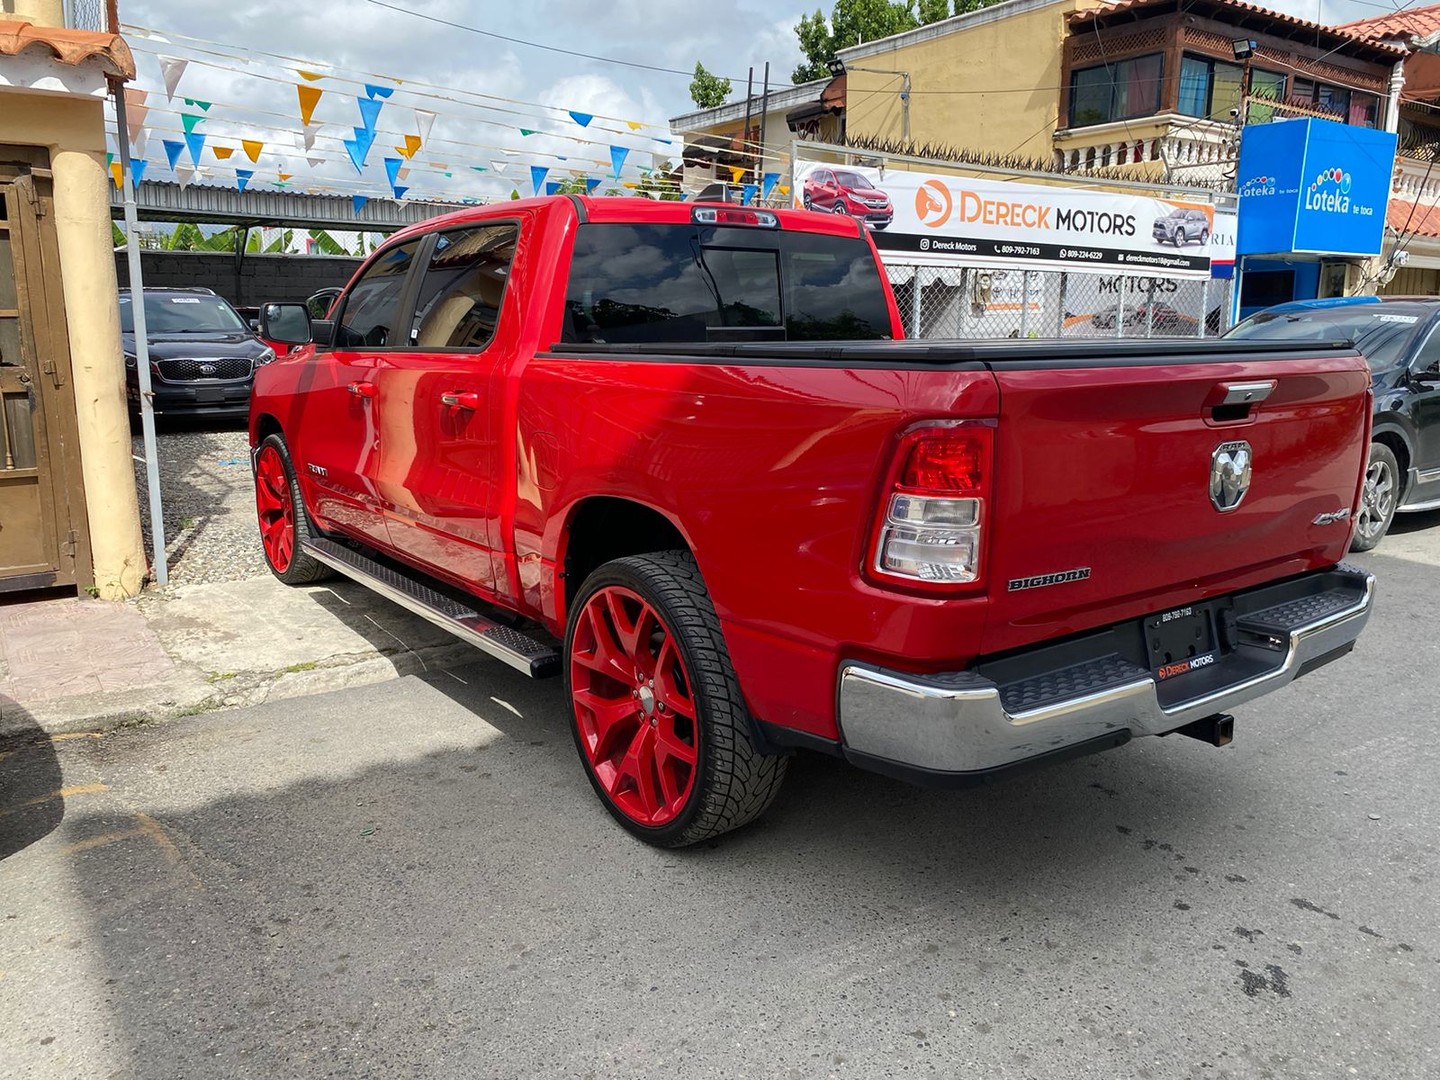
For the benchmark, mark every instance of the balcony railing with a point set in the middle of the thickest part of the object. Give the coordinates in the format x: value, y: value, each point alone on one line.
x: 1190, y: 151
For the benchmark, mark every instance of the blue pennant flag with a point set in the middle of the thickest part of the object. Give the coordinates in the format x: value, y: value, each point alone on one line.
x: 552, y: 187
x: 369, y: 111
x: 591, y: 183
x: 747, y: 194
x: 373, y: 91
x: 399, y: 192
x: 537, y: 176
x: 173, y: 150
x: 582, y: 118
x: 359, y: 147
x: 617, y: 159
x: 242, y: 177
x: 767, y: 184
x: 137, y: 171
x: 195, y: 141
x: 392, y: 169
x: 357, y: 203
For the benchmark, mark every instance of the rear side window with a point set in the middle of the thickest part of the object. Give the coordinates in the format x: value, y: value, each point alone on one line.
x: 688, y: 283
x: 372, y: 308
x: 461, y: 290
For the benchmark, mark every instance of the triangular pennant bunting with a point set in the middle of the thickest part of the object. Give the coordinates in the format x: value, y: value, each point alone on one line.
x: 412, y: 144
x: 552, y: 187
x: 634, y: 125
x: 357, y: 203
x: 373, y: 91
x: 242, y: 177
x: 189, y: 120
x: 195, y: 142
x: 582, y: 118
x: 183, y: 175
x: 284, y: 176
x: 591, y: 183
x: 399, y: 192
x: 747, y: 194
x: 424, y: 121
x: 478, y: 168
x: 171, y: 69
x: 135, y: 110
x: 537, y: 176
x: 617, y: 159
x: 173, y: 150
x: 137, y: 171
x: 369, y: 111
x: 767, y: 184
x: 527, y: 131
x: 314, y: 161
x: 499, y: 166
x: 402, y: 173
x: 392, y: 168
x: 252, y: 148
x: 117, y: 174
x: 309, y: 98
x: 139, y: 143
x: 203, y: 106
x: 309, y: 76
x: 311, y: 130
x: 222, y: 152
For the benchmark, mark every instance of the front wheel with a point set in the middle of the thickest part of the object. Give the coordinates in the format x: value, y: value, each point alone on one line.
x: 838, y: 208
x: 656, y: 710
x: 284, y: 525
x: 1378, y: 499
x: 806, y: 200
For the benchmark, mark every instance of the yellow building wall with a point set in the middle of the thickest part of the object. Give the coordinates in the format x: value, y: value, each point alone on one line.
x: 1001, y: 81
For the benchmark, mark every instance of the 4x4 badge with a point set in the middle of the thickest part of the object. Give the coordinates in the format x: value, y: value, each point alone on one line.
x: 1229, y: 475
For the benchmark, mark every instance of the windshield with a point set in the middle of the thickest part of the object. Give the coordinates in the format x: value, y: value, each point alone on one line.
x: 854, y: 180
x: 173, y: 314
x: 1380, y: 335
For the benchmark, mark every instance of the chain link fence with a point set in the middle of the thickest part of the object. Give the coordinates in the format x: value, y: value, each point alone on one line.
x: 976, y: 302
x: 86, y: 15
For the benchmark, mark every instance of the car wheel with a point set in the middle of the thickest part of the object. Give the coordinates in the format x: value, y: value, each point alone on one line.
x: 284, y: 524
x: 1378, y: 499
x: 839, y: 208
x: 656, y: 710
x: 1180, y: 238
x: 1204, y: 237
x: 806, y: 200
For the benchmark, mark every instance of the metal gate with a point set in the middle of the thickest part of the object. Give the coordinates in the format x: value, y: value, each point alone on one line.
x: 43, y: 536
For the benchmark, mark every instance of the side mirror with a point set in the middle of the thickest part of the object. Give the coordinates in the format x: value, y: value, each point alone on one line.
x: 288, y: 324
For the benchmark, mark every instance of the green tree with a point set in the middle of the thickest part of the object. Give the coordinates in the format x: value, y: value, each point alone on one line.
x: 707, y: 90
x: 852, y: 21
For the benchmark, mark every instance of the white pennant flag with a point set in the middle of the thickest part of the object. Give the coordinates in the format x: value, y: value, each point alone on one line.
x: 424, y: 121
x: 140, y: 141
x: 183, y: 175
x: 498, y: 166
x: 311, y: 130
x: 314, y: 161
x: 172, y: 67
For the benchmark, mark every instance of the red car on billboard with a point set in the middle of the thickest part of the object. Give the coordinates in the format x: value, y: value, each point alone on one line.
x: 844, y: 191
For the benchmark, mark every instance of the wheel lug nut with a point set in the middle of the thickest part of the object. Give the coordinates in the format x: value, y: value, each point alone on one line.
x: 661, y: 706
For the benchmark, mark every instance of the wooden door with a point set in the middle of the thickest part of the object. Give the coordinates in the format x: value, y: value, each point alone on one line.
x: 42, y: 515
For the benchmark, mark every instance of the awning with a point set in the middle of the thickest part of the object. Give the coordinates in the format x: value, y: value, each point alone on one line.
x: 69, y: 47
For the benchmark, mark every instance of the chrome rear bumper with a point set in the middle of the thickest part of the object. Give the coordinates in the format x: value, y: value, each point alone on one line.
x: 959, y: 726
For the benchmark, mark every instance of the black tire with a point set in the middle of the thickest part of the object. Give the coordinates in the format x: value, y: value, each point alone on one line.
x: 1181, y: 238
x: 1204, y: 237
x: 733, y: 783
x: 1383, y: 484
x: 805, y: 199
x: 301, y: 569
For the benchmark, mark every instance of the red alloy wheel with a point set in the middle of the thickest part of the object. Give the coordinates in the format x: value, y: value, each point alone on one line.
x: 275, y: 508
x: 635, y: 706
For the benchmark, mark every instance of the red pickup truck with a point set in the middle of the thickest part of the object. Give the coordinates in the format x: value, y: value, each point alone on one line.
x: 673, y: 453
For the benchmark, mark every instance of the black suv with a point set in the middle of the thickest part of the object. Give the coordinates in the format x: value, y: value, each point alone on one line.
x: 1400, y: 337
x: 203, y: 355
x: 1179, y: 227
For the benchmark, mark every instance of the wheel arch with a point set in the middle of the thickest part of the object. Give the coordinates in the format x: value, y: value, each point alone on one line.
x: 604, y: 527
x: 262, y: 426
x: 1397, y: 439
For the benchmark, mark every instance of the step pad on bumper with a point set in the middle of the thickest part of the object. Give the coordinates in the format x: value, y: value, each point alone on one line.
x: 534, y: 657
x: 1079, y: 680
x: 1283, y: 618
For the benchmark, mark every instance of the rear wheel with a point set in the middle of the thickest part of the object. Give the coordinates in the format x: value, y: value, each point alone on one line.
x: 1204, y: 237
x: 806, y: 200
x: 1379, y: 498
x: 284, y: 525
x: 656, y: 710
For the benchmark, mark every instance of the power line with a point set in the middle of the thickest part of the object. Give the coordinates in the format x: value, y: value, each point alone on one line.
x: 535, y: 44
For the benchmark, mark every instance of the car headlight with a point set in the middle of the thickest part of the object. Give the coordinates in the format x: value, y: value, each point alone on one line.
x: 129, y: 360
x: 265, y: 357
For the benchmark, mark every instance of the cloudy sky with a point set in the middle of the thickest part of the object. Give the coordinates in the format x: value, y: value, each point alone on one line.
x: 483, y: 90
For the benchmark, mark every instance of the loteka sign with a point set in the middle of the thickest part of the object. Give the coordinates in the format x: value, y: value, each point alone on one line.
x: 1313, y: 187
x: 916, y: 217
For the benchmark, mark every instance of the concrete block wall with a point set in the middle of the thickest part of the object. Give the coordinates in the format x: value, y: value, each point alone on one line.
x: 260, y: 277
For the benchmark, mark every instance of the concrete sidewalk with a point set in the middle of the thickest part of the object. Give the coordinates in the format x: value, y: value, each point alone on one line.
x: 90, y: 665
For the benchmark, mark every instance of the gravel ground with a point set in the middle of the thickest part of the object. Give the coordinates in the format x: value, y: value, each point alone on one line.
x: 208, y: 503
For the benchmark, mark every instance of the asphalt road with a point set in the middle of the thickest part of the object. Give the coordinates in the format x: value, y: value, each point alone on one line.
x: 415, y: 880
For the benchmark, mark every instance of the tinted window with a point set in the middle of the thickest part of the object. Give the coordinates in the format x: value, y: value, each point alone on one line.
x: 176, y: 314
x: 1380, y: 331
x: 373, y: 305
x: 686, y: 283
x: 1115, y: 91
x: 460, y: 292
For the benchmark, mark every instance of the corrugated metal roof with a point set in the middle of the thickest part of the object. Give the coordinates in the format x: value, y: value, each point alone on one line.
x: 1239, y: 6
x: 71, y: 47
x: 1397, y: 26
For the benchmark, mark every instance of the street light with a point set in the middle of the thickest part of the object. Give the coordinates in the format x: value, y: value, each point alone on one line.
x: 1244, y: 48
x: 838, y: 67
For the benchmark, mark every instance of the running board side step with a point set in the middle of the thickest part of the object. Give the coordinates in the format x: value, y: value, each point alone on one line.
x: 538, y: 659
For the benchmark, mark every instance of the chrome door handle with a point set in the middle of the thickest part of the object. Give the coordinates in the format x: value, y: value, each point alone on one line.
x: 468, y: 400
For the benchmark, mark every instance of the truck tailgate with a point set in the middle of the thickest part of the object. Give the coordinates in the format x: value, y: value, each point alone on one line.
x: 1103, y: 504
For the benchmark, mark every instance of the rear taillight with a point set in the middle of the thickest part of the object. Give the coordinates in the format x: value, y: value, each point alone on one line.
x: 934, y: 512
x: 710, y: 215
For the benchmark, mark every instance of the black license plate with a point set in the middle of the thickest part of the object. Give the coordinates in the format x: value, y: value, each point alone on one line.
x: 1180, y: 641
x: 209, y: 395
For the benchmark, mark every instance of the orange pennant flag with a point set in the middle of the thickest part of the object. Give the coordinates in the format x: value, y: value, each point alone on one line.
x: 634, y: 125
x: 223, y: 152
x: 116, y: 174
x: 285, y: 176
x: 309, y: 76
x: 735, y: 175
x: 412, y: 143
x: 309, y: 98
x: 252, y: 148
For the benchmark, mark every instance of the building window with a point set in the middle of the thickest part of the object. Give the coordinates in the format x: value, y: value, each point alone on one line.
x: 1211, y: 88
x: 1115, y: 91
x: 1348, y: 106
